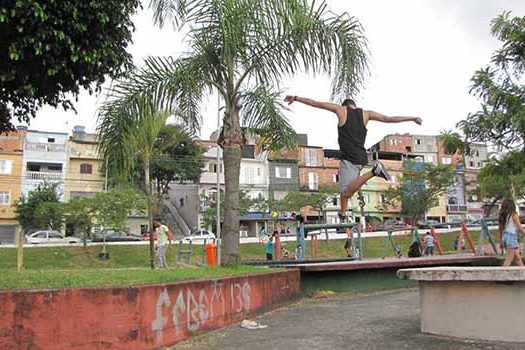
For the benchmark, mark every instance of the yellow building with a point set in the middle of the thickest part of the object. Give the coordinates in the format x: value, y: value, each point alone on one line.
x: 10, y: 183
x: 84, y: 176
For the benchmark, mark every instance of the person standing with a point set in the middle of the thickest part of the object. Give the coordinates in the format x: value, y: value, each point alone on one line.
x: 300, y: 237
x: 162, y: 242
x: 429, y: 244
x: 352, y: 130
x: 269, y: 247
x: 509, y: 225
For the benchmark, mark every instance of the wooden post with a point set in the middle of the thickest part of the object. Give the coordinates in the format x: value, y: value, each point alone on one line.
x: 436, y: 238
x: 314, y: 246
x: 466, y: 233
x: 278, y: 246
x: 19, y: 249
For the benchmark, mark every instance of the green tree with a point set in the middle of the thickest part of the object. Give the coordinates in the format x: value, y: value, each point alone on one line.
x: 500, y: 88
x: 128, y: 135
x: 49, y: 49
x: 244, y: 52
x: 41, y: 208
x: 423, y: 184
x: 79, y: 215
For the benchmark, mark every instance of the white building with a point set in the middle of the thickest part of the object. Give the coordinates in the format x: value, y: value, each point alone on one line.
x: 44, y: 160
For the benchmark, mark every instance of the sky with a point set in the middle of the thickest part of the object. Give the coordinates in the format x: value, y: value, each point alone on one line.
x: 422, y: 56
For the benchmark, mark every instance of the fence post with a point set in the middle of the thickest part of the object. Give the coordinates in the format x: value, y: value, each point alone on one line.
x: 19, y: 249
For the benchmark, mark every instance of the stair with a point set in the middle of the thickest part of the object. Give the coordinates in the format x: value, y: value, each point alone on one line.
x: 174, y: 218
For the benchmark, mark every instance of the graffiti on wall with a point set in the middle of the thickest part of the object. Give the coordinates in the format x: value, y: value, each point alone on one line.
x: 189, y: 309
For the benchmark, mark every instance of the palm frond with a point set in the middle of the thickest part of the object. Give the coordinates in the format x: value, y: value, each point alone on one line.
x: 261, y: 113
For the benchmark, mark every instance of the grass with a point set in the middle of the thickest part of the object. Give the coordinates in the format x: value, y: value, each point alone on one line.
x: 31, y: 279
x: 57, y: 267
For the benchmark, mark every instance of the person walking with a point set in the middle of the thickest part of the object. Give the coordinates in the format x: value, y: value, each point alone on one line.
x: 509, y: 225
x: 352, y: 130
x: 162, y: 243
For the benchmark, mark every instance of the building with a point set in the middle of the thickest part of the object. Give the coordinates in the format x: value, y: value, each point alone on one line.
x: 44, y: 160
x: 84, y: 177
x: 396, y: 143
x: 425, y: 146
x: 11, y: 148
x: 474, y: 161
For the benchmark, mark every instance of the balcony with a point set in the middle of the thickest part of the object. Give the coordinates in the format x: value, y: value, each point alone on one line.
x: 475, y: 205
x: 44, y: 176
x: 45, y: 147
x: 456, y: 208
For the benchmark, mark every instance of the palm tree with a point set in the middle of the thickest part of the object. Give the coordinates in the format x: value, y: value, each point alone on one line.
x: 244, y: 50
x: 129, y: 133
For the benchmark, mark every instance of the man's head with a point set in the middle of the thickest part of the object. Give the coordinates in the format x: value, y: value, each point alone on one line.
x: 157, y: 222
x: 349, y: 103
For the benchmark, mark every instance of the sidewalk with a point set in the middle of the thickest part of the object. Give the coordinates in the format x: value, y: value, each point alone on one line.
x: 380, y: 320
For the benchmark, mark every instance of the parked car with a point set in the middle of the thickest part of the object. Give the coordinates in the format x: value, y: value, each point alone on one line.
x: 454, y: 224
x: 50, y: 237
x: 116, y: 236
x: 145, y: 236
x: 431, y: 223
x: 199, y: 235
x: 392, y: 225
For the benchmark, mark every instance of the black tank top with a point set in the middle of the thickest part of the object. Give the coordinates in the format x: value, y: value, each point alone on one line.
x: 351, y: 137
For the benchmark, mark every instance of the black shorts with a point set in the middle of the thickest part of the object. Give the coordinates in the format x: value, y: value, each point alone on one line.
x: 269, y: 256
x: 348, y: 244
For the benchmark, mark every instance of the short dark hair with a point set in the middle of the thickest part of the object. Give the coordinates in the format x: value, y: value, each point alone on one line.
x: 348, y: 102
x: 157, y: 220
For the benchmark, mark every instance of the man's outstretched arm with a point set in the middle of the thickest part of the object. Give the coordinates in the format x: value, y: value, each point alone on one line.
x: 384, y: 119
x: 332, y: 107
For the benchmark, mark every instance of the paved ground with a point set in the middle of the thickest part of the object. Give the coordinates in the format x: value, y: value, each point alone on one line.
x: 380, y: 320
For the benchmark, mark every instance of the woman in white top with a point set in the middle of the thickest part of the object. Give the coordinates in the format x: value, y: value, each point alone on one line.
x: 509, y: 225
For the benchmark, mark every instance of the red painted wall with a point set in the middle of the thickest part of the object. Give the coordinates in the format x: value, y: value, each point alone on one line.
x: 140, y: 317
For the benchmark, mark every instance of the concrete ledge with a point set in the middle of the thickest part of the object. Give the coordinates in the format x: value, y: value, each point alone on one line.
x: 454, y: 273
x: 485, y: 303
x: 136, y: 317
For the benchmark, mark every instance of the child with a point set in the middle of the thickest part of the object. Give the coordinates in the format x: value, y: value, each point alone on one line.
x: 509, y: 225
x: 269, y: 248
x: 300, y: 237
x: 429, y: 244
x: 398, y: 251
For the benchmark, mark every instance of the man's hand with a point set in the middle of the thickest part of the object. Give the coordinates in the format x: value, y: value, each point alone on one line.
x: 290, y: 99
x: 418, y: 120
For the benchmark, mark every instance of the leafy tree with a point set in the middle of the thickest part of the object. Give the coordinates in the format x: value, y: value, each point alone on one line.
x: 130, y: 134
x: 499, y: 86
x: 114, y: 207
x: 246, y: 205
x: 296, y: 201
x: 49, y: 49
x: 80, y: 215
x: 423, y: 184
x: 181, y: 161
x: 41, y: 208
x: 244, y: 52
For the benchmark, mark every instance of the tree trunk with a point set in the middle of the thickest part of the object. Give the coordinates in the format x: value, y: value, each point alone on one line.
x: 231, y: 140
x: 230, y: 227
x: 150, y: 216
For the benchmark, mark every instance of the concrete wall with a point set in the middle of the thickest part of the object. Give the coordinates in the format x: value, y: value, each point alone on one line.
x: 478, y: 310
x: 190, y: 206
x: 141, y: 317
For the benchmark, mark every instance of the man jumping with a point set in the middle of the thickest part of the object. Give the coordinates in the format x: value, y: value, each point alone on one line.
x: 351, y: 137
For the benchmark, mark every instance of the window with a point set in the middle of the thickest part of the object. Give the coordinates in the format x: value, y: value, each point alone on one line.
x: 335, y: 178
x: 382, y: 198
x: 54, y: 234
x: 283, y: 172
x: 311, y: 157
x: 471, y: 164
x: 452, y: 200
x: 393, y: 142
x: 51, y: 140
x: 258, y: 171
x: 430, y: 159
x: 446, y: 160
x: 6, y: 166
x: 477, y: 153
x: 86, y: 168
x: 479, y: 164
x: 55, y: 167
x: 313, y: 181
x: 418, y: 141
x: 393, y: 179
x: 181, y: 201
x: 41, y: 235
x: 5, y: 197
x: 366, y: 197
x: 334, y: 201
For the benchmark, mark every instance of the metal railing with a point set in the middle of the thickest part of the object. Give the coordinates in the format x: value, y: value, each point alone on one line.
x: 45, y: 147
x: 456, y: 208
x: 43, y: 176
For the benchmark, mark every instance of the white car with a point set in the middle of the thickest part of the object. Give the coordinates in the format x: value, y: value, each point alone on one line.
x: 50, y: 237
x: 200, y: 235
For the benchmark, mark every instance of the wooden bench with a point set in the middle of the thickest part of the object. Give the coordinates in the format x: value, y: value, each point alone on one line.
x: 471, y: 302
